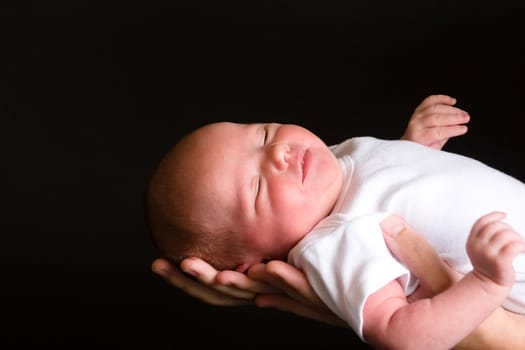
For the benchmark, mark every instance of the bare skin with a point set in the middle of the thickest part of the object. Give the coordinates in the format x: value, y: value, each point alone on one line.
x: 281, y: 286
x: 502, y: 330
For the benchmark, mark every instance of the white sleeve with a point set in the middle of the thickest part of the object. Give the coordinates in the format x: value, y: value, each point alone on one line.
x: 346, y: 265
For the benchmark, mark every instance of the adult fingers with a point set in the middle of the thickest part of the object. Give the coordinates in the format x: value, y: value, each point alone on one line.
x: 285, y: 303
x: 173, y: 276
x: 417, y: 254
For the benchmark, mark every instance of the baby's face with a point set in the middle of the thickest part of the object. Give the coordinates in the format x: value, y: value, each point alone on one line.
x: 278, y: 181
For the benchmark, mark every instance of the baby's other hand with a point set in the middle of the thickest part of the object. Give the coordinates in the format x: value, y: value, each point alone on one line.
x: 492, y: 247
x: 435, y: 121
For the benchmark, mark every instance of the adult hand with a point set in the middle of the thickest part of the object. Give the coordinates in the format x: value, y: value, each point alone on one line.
x: 276, y: 284
x: 224, y: 288
x: 420, y: 258
x: 282, y: 286
x: 297, y: 295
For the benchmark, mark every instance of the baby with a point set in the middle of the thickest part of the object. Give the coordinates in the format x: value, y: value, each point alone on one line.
x: 238, y: 194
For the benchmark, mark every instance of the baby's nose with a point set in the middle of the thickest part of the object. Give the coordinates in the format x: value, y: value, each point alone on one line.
x: 280, y: 153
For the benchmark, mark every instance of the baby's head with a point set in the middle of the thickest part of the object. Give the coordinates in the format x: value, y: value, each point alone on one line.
x: 238, y: 194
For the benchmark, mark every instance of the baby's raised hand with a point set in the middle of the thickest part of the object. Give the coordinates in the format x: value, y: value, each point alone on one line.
x: 435, y: 121
x: 492, y: 246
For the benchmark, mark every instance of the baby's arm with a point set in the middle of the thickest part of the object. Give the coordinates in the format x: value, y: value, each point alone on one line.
x: 436, y: 120
x: 442, y: 321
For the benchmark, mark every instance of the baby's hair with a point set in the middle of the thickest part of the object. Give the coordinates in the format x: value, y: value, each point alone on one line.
x: 183, y: 215
x: 179, y: 237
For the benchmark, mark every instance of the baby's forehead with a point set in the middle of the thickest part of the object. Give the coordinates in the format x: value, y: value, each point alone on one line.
x: 223, y: 128
x: 227, y: 136
x: 208, y: 152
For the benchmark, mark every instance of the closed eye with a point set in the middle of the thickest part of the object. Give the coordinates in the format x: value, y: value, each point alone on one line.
x: 257, y: 187
x: 265, y: 135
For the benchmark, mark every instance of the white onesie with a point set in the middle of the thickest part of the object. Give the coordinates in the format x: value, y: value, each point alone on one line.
x: 439, y: 194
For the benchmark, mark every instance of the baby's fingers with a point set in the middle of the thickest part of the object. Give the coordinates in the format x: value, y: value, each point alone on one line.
x: 443, y: 133
x: 436, y: 99
x: 509, y: 244
x: 482, y: 224
x: 512, y: 247
x: 446, y: 118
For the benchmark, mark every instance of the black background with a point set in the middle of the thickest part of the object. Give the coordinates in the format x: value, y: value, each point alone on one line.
x: 93, y: 93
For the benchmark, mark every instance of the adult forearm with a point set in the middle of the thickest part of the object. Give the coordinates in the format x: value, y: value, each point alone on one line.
x: 502, y: 330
